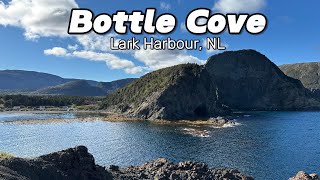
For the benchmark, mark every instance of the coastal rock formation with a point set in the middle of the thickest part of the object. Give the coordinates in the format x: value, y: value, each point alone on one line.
x: 179, y: 92
x: 164, y: 169
x: 77, y: 164
x: 248, y: 80
x: 70, y: 164
x: 304, y: 176
x: 240, y: 80
x: 307, y: 73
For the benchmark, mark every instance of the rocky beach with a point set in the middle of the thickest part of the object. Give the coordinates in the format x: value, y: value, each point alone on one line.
x: 78, y: 164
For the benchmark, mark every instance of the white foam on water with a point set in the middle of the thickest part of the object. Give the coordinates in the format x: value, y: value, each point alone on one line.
x: 228, y: 125
x: 196, y: 132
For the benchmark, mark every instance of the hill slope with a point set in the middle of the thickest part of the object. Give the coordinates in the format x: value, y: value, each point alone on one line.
x: 27, y: 80
x: 307, y: 73
x: 178, y: 92
x: 18, y: 81
x: 74, y: 88
x: 109, y: 87
x: 248, y: 80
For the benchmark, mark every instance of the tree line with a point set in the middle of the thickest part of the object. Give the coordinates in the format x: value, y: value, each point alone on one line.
x: 46, y: 100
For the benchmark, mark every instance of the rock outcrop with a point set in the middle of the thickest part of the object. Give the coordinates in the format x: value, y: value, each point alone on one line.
x: 175, y: 93
x: 78, y: 164
x: 248, y: 80
x: 304, y: 176
x: 163, y: 169
x: 307, y: 73
x: 70, y: 164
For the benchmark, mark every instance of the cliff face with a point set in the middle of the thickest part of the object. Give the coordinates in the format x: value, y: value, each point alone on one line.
x: 178, y: 92
x: 247, y: 80
x: 307, y: 73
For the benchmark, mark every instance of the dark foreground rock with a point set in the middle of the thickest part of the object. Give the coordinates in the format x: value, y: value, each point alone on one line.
x: 70, y: 164
x: 164, y: 169
x: 77, y: 164
x: 304, y: 176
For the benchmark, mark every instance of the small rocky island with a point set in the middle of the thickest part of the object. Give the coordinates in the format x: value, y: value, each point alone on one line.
x: 78, y: 164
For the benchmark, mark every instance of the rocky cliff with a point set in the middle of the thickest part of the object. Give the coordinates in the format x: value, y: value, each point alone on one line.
x: 241, y: 80
x: 178, y: 92
x: 78, y: 164
x: 248, y: 80
x: 307, y: 73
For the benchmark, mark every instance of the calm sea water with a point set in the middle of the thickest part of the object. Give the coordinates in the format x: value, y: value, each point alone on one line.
x: 267, y: 145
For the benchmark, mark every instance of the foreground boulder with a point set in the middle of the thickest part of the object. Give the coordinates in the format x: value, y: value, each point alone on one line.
x: 175, y: 93
x: 77, y: 164
x: 164, y: 169
x: 248, y: 80
x: 304, y: 176
x: 70, y: 164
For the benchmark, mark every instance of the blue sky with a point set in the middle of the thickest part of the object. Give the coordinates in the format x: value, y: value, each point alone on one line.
x: 33, y: 36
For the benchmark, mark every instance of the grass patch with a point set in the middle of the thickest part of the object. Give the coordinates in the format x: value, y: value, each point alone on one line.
x: 5, y: 155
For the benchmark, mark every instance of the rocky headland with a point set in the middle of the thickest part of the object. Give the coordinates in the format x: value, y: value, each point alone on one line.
x: 232, y: 80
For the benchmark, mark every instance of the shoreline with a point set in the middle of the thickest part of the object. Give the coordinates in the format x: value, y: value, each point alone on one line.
x: 87, y: 116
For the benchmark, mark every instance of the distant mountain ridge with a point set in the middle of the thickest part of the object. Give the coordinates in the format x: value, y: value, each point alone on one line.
x: 43, y: 83
x: 73, y: 88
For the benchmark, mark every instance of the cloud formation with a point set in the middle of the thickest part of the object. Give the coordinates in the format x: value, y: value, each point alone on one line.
x: 239, y: 6
x: 56, y: 51
x: 50, y: 18
x: 38, y: 18
x: 111, y: 60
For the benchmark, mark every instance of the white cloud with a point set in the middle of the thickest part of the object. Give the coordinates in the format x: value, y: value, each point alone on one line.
x: 50, y: 18
x: 38, y: 18
x: 112, y: 61
x: 73, y: 47
x: 157, y: 59
x: 237, y: 6
x: 56, y: 51
x: 165, y: 6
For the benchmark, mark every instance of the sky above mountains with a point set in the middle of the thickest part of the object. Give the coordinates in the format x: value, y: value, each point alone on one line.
x: 33, y: 36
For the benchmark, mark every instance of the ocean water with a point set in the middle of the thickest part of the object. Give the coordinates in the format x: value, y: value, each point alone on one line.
x: 265, y: 145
